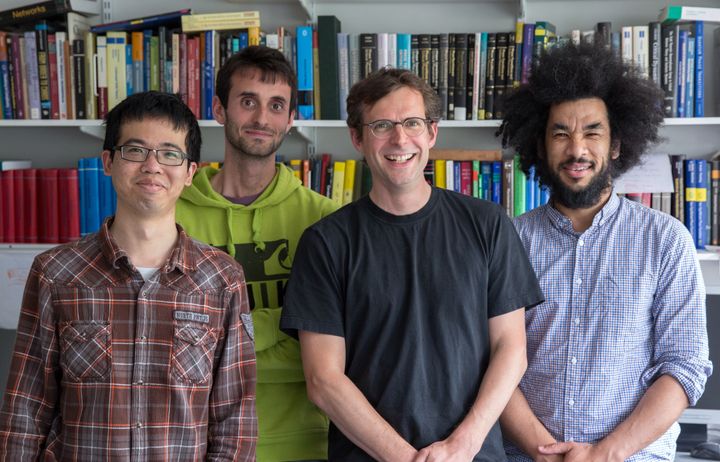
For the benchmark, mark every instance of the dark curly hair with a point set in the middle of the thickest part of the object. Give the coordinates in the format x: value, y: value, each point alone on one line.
x: 570, y: 72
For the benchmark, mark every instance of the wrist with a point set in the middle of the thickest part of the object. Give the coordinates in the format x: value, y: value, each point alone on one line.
x: 611, y: 452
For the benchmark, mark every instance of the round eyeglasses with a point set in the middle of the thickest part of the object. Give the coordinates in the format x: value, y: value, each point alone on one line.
x: 171, y: 157
x: 412, y: 126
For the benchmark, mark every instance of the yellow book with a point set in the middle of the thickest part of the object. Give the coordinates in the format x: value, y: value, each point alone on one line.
x: 349, y: 185
x: 254, y: 35
x: 440, y: 173
x: 220, y: 21
x: 338, y: 182
x: 116, y: 76
x: 296, y: 166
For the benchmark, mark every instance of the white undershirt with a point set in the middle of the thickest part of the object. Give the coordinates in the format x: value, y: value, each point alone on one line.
x: 147, y: 273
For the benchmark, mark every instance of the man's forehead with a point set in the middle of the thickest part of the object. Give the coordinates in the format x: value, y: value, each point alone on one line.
x: 259, y: 75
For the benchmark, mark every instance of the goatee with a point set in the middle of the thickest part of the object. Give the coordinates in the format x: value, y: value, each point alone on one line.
x: 588, y: 196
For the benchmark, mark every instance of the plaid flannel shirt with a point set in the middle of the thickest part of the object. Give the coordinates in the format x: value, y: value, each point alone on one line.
x: 108, y: 366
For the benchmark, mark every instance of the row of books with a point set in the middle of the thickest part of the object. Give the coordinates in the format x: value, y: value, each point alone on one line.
x: 48, y: 73
x: 53, y: 205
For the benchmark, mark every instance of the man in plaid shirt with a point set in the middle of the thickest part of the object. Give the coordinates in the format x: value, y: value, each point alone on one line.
x: 135, y: 343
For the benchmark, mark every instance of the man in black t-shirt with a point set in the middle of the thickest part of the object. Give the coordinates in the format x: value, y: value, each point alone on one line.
x: 409, y: 302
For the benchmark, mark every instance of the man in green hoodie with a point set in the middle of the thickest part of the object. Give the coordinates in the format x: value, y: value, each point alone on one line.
x: 256, y: 210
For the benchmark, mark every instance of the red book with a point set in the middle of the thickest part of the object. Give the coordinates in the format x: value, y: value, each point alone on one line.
x: 18, y: 75
x: 29, y: 186
x: 8, y: 199
x: 68, y: 192
x: 193, y: 75
x: 323, y: 172
x: 48, y: 205
x: 19, y: 206
x: 466, y: 177
x: 54, y: 89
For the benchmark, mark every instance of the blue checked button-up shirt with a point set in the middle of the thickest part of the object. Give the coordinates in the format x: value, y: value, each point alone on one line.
x: 624, y: 304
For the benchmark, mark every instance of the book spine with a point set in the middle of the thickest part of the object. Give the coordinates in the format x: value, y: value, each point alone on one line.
x: 5, y: 76
x: 701, y: 197
x: 452, y: 57
x: 680, y: 87
x: 53, y: 77
x: 146, y: 64
x: 465, y: 177
x: 443, y: 74
x: 690, y: 78
x: 60, y: 38
x: 497, y: 174
x: 209, y: 73
x: 79, y: 78
x: 32, y: 80
x: 527, y: 53
x: 669, y: 68
x: 490, y: 78
x: 32, y: 13
x: 715, y: 202
x: 425, y: 48
x: 507, y: 183
x: 368, y: 54
x: 344, y: 72
x: 7, y: 178
x: 700, y: 69
x: 156, y: 66
x: 640, y: 49
x: 102, y: 83
x: 41, y: 31
x: 655, y: 55
x: 403, y: 51
x: 16, y: 75
x: 91, y: 91
x: 461, y: 46
x: 116, y: 69
x: 470, y: 79
x: 691, y: 209
x: 328, y: 29
x: 501, y: 47
x: 305, y: 73
x: 349, y: 182
x: 193, y: 75
x: 49, y: 206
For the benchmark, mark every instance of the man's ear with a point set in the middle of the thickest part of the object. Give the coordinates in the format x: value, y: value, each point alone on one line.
x: 218, y: 110
x: 356, y: 138
x: 107, y: 162
x: 615, y: 149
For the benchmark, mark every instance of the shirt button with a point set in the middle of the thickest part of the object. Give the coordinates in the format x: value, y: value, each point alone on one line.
x: 577, y: 321
x: 139, y: 382
x: 571, y: 440
x: 138, y: 425
x: 573, y: 360
x: 571, y: 402
x: 143, y: 338
x: 581, y: 243
x: 578, y: 281
x: 144, y: 294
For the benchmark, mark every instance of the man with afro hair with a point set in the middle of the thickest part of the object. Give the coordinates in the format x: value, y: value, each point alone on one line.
x: 619, y: 347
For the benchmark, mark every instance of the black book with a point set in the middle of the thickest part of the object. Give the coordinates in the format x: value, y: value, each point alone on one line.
x: 41, y: 36
x: 655, y: 46
x: 78, y: 67
x: 435, y: 62
x: 470, y: 79
x: 460, y: 75
x: 669, y: 34
x: 490, y: 77
x: 451, y: 78
x: 602, y: 33
x: 424, y: 46
x: 510, y: 65
x: 368, y: 55
x: 415, y: 53
x: 328, y: 27
x: 677, y: 206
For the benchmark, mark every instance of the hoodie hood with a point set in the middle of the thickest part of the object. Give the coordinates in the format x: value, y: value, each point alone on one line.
x: 201, y: 193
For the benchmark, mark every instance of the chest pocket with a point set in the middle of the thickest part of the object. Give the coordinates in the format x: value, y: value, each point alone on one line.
x: 193, y: 352
x: 85, y: 350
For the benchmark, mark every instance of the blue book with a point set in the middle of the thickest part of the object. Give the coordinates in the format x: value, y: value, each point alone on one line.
x: 690, y: 78
x: 209, y: 73
x: 457, y: 184
x: 129, y: 70
x: 404, y: 60
x: 306, y: 109
x: 530, y: 189
x: 691, y: 208
x: 5, y: 90
x: 486, y: 173
x: 699, y: 69
x: 147, y: 62
x: 497, y: 170
x: 82, y: 194
x: 105, y: 189
x: 244, y: 40
x: 681, y: 73
x: 701, y: 196
x: 93, y: 168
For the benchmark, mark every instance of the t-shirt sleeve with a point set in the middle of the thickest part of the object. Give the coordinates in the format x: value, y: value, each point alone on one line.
x: 512, y: 282
x: 313, y: 299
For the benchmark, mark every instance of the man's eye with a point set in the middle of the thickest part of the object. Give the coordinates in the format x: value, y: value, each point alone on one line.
x: 277, y: 107
x: 383, y: 125
x: 134, y: 150
x: 171, y: 155
x: 247, y: 103
x: 413, y: 123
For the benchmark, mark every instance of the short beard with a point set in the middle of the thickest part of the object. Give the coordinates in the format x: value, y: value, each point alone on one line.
x: 247, y: 147
x: 587, y: 197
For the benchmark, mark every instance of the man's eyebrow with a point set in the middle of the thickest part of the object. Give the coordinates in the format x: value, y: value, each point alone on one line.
x: 253, y: 94
x: 142, y: 143
x: 591, y: 126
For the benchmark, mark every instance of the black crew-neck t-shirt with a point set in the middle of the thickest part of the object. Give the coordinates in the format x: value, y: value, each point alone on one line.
x: 412, y: 296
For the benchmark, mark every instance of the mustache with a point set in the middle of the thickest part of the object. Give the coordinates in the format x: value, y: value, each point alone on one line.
x: 577, y: 160
x: 259, y: 128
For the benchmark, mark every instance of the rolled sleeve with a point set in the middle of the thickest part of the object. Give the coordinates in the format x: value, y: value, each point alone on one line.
x: 680, y: 330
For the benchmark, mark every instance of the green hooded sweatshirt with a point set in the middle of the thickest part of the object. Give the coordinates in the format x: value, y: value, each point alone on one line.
x: 263, y: 237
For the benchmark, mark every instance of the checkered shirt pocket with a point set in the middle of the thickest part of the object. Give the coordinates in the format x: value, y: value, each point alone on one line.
x: 86, y: 353
x: 193, y: 351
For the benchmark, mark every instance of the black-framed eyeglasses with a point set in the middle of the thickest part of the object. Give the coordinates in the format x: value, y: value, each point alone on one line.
x: 412, y: 126
x: 171, y: 157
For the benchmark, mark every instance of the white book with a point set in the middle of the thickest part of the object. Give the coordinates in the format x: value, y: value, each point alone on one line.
x: 60, y: 39
x: 343, y: 72
x: 449, y: 175
x: 641, y: 50
x: 101, y: 62
x: 575, y: 36
x: 689, y: 13
x: 392, y: 50
x: 382, y: 49
x: 626, y: 44
x: 31, y: 75
x: 354, y: 53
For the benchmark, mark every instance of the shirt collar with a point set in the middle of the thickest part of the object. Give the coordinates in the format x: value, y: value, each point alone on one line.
x: 183, y: 257
x: 607, y: 211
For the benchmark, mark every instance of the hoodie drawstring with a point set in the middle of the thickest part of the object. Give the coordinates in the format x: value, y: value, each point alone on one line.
x: 256, y: 226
